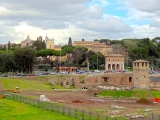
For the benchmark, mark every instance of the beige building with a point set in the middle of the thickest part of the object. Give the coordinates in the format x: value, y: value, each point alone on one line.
x: 49, y: 43
x: 57, y: 47
x: 26, y: 42
x: 140, y: 73
x: 114, y: 62
x: 95, y: 46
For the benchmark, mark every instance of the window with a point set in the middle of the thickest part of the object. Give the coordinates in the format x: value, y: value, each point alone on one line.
x: 113, y: 59
x: 106, y: 79
x: 67, y: 83
x: 109, y: 59
x: 130, y: 79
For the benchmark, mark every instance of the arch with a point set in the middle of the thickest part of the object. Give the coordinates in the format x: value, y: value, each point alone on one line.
x: 113, y: 67
x: 109, y: 66
x: 117, y: 67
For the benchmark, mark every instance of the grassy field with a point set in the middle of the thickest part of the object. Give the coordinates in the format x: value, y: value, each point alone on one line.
x: 11, y: 110
x: 129, y: 94
x: 11, y: 83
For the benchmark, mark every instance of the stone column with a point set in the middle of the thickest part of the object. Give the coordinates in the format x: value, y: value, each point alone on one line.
x: 106, y: 66
x: 111, y: 66
x: 123, y: 66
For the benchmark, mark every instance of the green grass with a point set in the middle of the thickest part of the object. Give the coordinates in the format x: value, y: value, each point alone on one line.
x: 59, y: 87
x: 11, y: 110
x: 129, y: 93
x: 11, y: 83
x: 156, y: 94
x: 116, y: 94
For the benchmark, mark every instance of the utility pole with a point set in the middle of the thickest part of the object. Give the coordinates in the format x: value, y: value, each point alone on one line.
x: 60, y: 61
x: 97, y: 58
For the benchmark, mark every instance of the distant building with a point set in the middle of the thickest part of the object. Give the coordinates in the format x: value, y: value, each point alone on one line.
x: 49, y: 43
x: 95, y: 46
x: 39, y: 38
x: 57, y: 47
x: 27, y: 42
x: 114, y: 62
x: 140, y: 72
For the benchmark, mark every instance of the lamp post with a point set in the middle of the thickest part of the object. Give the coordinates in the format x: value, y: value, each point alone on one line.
x: 60, y: 61
x: 97, y: 58
x: 87, y: 61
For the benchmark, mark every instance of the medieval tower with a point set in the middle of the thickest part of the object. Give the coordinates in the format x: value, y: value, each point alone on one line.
x: 140, y: 73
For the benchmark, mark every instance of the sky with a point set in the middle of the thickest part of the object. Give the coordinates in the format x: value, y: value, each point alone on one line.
x: 78, y: 19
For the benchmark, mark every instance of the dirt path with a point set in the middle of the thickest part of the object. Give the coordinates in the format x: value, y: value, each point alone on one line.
x: 107, y: 106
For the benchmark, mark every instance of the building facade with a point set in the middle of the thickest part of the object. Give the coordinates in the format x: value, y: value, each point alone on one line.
x: 114, y: 62
x: 95, y: 46
x: 49, y: 43
x: 27, y: 42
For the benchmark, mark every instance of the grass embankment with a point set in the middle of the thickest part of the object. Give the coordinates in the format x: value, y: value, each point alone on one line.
x: 37, y: 82
x: 11, y: 83
x: 131, y: 94
x: 11, y: 110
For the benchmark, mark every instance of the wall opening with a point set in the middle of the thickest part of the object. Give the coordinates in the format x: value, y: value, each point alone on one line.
x: 130, y: 79
x: 105, y: 79
x: 67, y: 83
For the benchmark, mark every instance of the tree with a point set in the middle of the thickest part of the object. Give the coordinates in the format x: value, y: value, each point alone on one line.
x: 25, y: 58
x: 93, y: 57
x: 68, y: 48
x: 9, y: 45
x: 79, y: 55
x: 39, y: 45
x: 7, y: 63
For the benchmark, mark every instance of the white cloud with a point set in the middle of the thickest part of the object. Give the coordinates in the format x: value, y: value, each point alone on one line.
x: 143, y: 5
x: 76, y: 19
x: 110, y: 24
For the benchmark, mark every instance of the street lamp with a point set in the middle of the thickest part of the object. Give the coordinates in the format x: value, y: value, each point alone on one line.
x: 97, y: 58
x: 60, y: 61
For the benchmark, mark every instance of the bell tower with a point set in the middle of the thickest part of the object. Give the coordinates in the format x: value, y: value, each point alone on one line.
x: 140, y: 73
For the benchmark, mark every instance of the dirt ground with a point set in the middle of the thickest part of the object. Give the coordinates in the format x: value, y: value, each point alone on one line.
x: 87, y: 101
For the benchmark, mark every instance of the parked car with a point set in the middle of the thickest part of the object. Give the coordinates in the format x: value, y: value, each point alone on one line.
x: 24, y: 74
x: 5, y: 75
x: 46, y: 73
x: 123, y: 71
x: 80, y: 72
x: 64, y: 72
x: 19, y: 74
x: 96, y: 71
x: 53, y: 73
x: 31, y: 74
x: 107, y: 71
x: 87, y: 71
x: 38, y: 74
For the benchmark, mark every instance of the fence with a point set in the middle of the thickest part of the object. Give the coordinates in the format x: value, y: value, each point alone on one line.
x: 78, y: 114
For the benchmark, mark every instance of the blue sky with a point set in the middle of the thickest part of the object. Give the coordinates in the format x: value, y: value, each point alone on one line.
x: 78, y: 19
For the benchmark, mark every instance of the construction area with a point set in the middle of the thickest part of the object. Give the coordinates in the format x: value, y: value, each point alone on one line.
x: 86, y: 101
